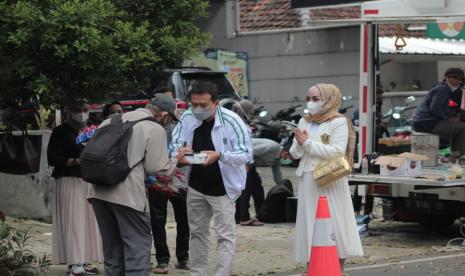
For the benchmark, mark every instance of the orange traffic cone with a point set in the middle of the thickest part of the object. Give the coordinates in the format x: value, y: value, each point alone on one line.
x: 324, y: 260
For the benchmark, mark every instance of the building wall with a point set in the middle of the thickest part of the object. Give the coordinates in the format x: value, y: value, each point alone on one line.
x: 407, y: 74
x: 443, y: 65
x: 283, y: 65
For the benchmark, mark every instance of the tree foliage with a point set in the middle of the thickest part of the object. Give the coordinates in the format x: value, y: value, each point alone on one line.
x: 56, y: 51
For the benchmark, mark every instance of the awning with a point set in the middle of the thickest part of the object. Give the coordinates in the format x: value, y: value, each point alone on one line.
x: 423, y: 46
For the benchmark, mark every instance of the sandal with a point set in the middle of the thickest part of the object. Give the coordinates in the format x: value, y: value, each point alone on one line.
x: 160, y: 269
x: 252, y: 222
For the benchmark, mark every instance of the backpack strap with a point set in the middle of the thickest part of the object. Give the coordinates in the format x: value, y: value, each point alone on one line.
x: 118, y: 119
x: 132, y: 123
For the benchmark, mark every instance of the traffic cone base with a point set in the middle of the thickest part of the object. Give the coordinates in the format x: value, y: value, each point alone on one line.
x: 320, y: 263
x: 324, y: 260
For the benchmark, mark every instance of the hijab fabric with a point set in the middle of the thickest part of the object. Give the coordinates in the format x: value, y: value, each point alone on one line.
x: 332, y: 99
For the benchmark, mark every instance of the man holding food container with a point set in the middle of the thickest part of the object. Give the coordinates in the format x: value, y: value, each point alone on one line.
x: 218, y: 148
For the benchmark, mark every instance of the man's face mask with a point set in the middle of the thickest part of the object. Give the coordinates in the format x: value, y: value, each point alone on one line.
x: 454, y: 82
x: 453, y: 88
x: 201, y: 113
x: 80, y: 117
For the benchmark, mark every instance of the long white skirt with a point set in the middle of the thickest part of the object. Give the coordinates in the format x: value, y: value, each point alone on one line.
x: 342, y: 215
x: 75, y: 234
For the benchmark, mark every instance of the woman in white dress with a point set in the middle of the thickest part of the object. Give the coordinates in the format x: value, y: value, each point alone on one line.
x: 321, y: 135
x: 76, y: 238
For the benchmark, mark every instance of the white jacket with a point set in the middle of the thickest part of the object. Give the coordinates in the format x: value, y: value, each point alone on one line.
x: 230, y: 137
x: 315, y: 150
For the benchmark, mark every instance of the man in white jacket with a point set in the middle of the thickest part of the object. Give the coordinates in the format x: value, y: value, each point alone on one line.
x: 217, y: 183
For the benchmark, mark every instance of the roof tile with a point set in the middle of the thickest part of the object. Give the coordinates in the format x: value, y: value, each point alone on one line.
x: 257, y: 15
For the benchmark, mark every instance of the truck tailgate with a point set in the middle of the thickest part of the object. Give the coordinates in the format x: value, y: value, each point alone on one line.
x: 357, y: 179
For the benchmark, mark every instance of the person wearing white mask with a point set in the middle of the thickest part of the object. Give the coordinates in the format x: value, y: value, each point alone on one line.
x: 433, y: 114
x: 76, y: 239
x: 214, y: 185
x: 322, y: 135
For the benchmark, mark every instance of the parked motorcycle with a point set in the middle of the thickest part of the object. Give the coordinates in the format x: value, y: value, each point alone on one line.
x: 399, y: 125
x: 343, y: 109
x: 278, y: 127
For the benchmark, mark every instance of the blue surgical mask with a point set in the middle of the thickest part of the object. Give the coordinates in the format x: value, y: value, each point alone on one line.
x: 200, y: 113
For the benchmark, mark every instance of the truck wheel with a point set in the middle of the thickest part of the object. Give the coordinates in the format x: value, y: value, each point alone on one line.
x: 435, y: 221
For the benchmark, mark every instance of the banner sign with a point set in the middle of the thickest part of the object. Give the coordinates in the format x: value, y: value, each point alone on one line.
x: 448, y: 30
x: 237, y: 70
x: 234, y: 63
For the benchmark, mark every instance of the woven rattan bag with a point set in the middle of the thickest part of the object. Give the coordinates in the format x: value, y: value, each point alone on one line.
x: 328, y: 171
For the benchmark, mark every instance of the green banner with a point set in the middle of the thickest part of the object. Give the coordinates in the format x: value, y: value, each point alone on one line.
x: 450, y: 30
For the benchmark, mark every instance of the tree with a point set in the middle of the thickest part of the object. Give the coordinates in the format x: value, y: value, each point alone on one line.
x: 171, y: 25
x: 56, y: 51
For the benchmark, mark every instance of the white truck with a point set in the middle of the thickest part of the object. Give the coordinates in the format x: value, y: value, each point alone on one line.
x: 430, y: 202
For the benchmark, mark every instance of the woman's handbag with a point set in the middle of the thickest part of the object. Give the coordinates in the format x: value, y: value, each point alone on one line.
x: 328, y: 171
x: 20, y: 154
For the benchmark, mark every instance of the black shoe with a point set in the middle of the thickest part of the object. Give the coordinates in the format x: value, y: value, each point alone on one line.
x: 184, y: 265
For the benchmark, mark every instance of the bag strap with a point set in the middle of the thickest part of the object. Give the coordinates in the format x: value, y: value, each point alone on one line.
x: 118, y: 119
x: 132, y: 123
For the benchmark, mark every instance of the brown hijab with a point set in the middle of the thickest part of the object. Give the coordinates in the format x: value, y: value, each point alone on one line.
x: 331, y: 97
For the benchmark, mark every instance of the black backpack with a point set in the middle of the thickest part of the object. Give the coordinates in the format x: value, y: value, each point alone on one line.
x: 104, y: 160
x: 273, y: 210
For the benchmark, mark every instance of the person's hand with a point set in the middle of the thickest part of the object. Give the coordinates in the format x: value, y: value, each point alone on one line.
x: 72, y: 162
x: 301, y: 136
x: 213, y: 156
x: 181, y: 155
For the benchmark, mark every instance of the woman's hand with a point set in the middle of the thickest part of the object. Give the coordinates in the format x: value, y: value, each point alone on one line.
x: 301, y: 136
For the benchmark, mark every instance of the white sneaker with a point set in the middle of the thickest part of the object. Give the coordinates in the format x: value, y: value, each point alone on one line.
x: 77, y: 270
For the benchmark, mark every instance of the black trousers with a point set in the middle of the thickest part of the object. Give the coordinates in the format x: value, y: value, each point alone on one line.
x: 357, y: 202
x: 254, y: 189
x: 158, y: 206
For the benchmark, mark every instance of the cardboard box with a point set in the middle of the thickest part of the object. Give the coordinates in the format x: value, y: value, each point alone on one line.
x: 405, y: 164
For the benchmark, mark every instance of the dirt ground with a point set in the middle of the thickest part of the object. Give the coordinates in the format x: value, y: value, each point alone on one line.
x: 267, y: 249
